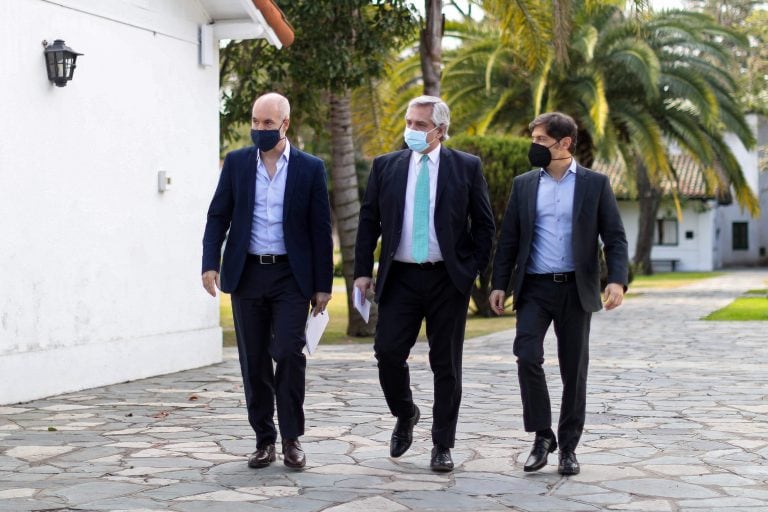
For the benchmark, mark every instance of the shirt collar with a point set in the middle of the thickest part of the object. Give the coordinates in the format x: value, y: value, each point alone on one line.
x: 434, y: 155
x: 571, y: 169
x: 284, y: 156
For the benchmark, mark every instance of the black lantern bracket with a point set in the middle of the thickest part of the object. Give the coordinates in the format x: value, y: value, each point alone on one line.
x: 60, y: 62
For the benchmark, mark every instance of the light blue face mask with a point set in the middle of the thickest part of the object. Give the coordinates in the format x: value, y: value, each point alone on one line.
x: 416, y: 140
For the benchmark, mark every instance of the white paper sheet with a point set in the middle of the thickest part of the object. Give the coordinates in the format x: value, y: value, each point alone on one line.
x: 315, y: 328
x: 363, y: 306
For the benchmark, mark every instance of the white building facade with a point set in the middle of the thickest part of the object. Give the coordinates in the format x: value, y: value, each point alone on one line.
x: 710, y: 235
x: 102, y: 268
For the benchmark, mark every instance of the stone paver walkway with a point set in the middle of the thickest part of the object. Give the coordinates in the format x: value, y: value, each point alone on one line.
x: 677, y: 421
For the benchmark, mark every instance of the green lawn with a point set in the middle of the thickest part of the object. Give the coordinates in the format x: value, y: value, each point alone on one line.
x: 336, y: 332
x: 669, y: 279
x: 752, y: 305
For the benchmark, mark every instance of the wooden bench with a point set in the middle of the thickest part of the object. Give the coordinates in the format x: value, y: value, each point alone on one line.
x: 665, y: 265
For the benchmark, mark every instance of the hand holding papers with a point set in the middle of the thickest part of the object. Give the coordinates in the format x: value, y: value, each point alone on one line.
x: 315, y: 328
x: 362, y: 305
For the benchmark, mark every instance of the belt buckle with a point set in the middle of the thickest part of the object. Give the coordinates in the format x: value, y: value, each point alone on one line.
x: 560, y: 278
x: 270, y: 259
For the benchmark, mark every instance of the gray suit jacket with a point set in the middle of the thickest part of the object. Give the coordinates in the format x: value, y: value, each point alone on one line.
x: 595, y: 214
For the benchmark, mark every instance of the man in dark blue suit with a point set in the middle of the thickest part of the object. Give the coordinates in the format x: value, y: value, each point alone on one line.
x: 548, y: 251
x: 271, y: 205
x: 430, y: 206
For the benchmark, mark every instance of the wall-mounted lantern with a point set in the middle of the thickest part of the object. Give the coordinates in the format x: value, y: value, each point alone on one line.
x: 60, y: 62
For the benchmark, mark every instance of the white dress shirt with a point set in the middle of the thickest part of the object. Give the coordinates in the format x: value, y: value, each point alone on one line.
x: 405, y: 248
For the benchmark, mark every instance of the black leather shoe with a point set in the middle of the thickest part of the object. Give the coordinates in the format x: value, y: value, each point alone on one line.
x: 542, y: 447
x: 402, y: 436
x: 568, y: 464
x: 441, y: 459
x: 293, y: 455
x: 262, y: 457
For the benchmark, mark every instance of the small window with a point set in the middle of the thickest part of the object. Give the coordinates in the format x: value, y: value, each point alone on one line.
x: 740, y: 236
x: 666, y: 232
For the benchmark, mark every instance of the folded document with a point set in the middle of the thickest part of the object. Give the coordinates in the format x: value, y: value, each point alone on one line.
x: 315, y: 328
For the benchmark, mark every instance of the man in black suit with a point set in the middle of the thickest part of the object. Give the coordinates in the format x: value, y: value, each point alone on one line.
x: 271, y: 205
x: 430, y: 205
x: 549, y: 243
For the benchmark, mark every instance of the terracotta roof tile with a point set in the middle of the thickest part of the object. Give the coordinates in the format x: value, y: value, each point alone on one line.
x: 691, y: 179
x: 276, y: 20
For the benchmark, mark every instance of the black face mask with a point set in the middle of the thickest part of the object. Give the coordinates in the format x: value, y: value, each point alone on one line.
x: 265, y: 139
x: 539, y: 155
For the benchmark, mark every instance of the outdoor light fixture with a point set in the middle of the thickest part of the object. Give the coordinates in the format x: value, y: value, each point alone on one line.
x: 60, y: 62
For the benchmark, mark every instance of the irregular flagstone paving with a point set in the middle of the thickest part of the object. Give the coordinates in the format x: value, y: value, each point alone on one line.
x: 677, y: 421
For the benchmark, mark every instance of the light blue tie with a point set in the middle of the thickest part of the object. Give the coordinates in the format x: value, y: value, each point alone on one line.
x: 420, y: 241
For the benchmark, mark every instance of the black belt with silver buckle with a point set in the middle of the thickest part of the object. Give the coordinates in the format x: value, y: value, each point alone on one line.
x: 268, y: 259
x: 557, y: 277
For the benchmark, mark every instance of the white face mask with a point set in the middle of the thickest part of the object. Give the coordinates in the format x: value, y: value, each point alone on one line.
x: 416, y: 140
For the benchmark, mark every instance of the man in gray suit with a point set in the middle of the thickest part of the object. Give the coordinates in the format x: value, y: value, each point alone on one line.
x: 548, y: 249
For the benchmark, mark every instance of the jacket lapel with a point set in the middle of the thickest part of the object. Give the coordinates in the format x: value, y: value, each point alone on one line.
x: 294, y: 169
x: 444, y: 174
x: 400, y: 182
x: 250, y: 177
x: 531, y: 193
x: 579, y: 191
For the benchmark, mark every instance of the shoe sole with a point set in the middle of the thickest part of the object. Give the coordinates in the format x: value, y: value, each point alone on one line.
x: 294, y: 466
x: 569, y: 473
x: 441, y: 469
x: 262, y: 464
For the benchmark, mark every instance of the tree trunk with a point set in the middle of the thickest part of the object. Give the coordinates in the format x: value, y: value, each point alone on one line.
x: 649, y: 198
x: 346, y: 204
x: 431, y: 47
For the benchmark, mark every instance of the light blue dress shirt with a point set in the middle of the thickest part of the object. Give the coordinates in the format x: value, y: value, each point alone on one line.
x: 552, y: 250
x: 267, y: 228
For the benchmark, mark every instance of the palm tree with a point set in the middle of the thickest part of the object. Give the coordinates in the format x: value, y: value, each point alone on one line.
x: 633, y: 86
x: 696, y: 105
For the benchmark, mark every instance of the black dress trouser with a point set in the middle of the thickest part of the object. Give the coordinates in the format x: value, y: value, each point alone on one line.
x: 414, y: 293
x: 270, y: 315
x: 541, y: 303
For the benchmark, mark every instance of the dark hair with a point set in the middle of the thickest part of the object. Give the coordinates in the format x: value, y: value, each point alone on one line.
x: 557, y: 125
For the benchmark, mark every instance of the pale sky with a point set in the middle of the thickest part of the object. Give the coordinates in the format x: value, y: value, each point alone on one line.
x: 667, y: 4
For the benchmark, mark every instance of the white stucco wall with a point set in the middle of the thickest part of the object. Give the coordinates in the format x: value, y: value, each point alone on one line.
x: 695, y: 254
x: 727, y: 215
x: 101, y: 272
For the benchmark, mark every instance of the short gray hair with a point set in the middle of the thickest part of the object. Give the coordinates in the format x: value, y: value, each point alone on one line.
x: 441, y: 114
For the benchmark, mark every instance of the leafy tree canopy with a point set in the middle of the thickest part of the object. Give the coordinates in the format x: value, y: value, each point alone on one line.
x: 339, y: 44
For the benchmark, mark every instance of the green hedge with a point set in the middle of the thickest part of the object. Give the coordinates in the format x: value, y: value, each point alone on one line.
x: 503, y: 158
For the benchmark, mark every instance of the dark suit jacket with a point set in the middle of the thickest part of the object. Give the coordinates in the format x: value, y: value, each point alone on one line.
x: 463, y: 219
x: 306, y: 220
x: 595, y: 213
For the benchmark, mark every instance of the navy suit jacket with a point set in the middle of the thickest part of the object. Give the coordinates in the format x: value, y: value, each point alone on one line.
x: 463, y: 219
x: 306, y: 220
x: 595, y: 213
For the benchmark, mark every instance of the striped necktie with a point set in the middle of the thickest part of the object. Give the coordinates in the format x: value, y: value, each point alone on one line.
x: 420, y: 241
